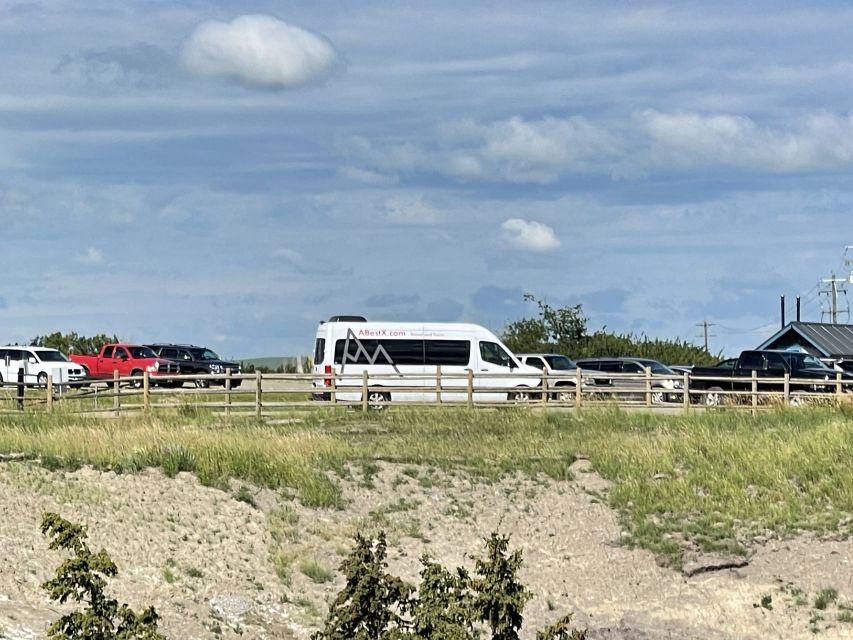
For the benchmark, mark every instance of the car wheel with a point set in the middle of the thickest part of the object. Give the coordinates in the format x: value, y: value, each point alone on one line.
x: 201, y: 384
x: 42, y: 380
x: 798, y: 399
x: 377, y: 400
x: 137, y: 381
x: 522, y: 394
x: 657, y: 397
x: 566, y: 394
x: 714, y: 397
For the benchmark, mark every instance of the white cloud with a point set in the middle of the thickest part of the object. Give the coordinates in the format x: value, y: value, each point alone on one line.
x: 821, y: 140
x: 529, y: 235
x: 92, y: 256
x: 259, y: 50
x: 411, y: 210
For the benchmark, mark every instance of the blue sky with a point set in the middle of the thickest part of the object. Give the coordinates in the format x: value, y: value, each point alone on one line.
x: 230, y: 173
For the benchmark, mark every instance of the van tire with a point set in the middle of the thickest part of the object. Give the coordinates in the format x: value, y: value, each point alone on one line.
x: 42, y: 380
x: 376, y: 400
x: 714, y: 397
x: 521, y: 394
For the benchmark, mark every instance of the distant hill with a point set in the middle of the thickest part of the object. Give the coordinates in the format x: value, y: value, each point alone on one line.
x: 269, y: 363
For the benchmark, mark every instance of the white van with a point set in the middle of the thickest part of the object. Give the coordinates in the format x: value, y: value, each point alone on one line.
x: 402, y: 360
x: 39, y: 364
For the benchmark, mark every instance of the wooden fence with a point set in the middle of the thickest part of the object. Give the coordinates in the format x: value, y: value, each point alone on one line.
x: 265, y: 394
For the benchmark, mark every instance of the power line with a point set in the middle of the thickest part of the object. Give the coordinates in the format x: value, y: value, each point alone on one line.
x: 704, y: 325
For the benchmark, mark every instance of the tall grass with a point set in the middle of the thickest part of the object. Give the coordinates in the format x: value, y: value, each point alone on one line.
x: 712, y: 478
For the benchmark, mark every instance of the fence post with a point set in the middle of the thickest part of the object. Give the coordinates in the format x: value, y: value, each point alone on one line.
x: 544, y: 387
x: 49, y: 388
x: 333, y: 386
x: 116, y: 393
x: 648, y: 373
x: 686, y: 387
x: 754, y: 388
x: 146, y: 391
x: 438, y: 383
x: 470, y: 388
x: 578, y: 387
x: 227, y: 392
x: 20, y: 397
x: 258, y: 393
x: 837, y: 386
x: 364, y: 390
x: 786, y: 389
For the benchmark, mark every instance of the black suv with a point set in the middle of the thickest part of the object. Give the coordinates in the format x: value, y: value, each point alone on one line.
x: 195, y: 359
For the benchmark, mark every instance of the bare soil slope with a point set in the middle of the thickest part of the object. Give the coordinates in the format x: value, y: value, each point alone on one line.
x: 217, y: 567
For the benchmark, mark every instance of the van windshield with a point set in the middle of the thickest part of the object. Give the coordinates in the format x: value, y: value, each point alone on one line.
x: 51, y: 356
x: 495, y: 354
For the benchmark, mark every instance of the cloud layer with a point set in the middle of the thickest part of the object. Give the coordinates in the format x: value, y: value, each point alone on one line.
x: 258, y: 50
x: 529, y: 235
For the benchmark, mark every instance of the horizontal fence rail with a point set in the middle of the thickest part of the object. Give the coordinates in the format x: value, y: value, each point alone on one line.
x: 264, y: 394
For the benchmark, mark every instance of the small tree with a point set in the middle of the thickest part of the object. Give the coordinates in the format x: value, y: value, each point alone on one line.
x: 74, y: 343
x: 372, y: 604
x: 82, y: 578
x: 500, y: 597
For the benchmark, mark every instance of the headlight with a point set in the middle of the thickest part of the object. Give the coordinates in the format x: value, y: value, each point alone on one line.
x: 677, y: 384
x: 153, y: 367
x: 215, y: 368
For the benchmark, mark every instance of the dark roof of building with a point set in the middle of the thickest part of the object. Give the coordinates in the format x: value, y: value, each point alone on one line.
x: 830, y: 340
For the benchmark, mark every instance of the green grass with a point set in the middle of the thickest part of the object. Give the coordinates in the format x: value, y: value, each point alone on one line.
x: 708, y: 477
x: 316, y: 572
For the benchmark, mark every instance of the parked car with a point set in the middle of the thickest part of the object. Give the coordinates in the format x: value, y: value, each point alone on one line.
x: 129, y: 360
x: 562, y: 373
x: 39, y: 364
x: 809, y: 373
x: 200, y: 360
x: 625, y: 386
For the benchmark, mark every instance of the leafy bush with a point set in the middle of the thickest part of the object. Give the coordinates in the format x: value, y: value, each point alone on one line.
x: 374, y: 605
x: 564, y: 330
x: 82, y: 578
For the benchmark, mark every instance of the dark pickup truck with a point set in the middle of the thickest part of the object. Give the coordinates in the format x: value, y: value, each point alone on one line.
x: 806, y: 372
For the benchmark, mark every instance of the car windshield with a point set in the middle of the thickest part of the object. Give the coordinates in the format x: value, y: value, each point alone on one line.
x: 142, y: 352
x: 803, y: 361
x: 657, y: 367
x: 561, y: 363
x: 52, y: 356
x: 205, y: 354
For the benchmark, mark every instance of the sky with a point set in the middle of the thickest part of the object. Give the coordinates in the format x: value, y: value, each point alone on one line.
x: 230, y: 173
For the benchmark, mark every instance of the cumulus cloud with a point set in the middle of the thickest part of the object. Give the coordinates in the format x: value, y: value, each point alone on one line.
x: 258, y: 50
x: 529, y: 235
x: 92, y: 256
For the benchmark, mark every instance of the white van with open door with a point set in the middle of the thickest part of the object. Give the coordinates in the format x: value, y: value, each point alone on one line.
x: 402, y: 361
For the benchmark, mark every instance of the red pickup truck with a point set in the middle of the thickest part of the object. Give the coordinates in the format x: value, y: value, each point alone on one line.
x: 129, y: 360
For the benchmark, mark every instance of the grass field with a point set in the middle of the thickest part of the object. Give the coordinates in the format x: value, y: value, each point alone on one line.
x: 706, y: 479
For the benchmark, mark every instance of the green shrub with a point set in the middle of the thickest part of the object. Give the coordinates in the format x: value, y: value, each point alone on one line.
x: 82, y: 578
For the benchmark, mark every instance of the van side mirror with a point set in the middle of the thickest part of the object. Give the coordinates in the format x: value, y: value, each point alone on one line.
x: 32, y: 360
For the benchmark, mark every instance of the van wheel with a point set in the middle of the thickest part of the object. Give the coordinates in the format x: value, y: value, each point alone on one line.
x: 377, y: 400
x: 42, y: 380
x: 714, y: 397
x: 522, y: 394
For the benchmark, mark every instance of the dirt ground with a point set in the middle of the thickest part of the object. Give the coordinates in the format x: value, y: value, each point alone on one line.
x: 207, y: 561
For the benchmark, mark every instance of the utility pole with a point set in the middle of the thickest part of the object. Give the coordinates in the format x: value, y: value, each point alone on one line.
x: 832, y: 290
x: 705, y: 324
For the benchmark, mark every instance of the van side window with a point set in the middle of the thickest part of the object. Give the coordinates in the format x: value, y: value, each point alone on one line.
x: 447, y: 352
x: 494, y: 353
x: 319, y: 350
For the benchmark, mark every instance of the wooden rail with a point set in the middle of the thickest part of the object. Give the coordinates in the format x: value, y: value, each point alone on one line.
x: 265, y: 394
